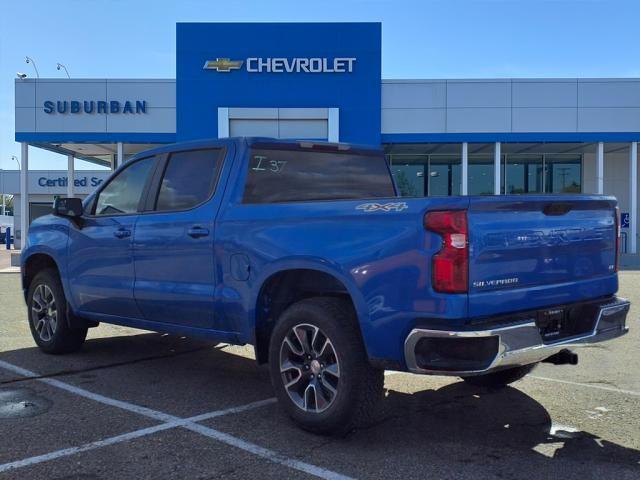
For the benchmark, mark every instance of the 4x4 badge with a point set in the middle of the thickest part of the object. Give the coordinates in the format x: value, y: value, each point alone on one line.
x: 382, y: 207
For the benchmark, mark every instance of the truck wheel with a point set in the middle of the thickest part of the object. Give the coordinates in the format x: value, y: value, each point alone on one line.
x: 47, y: 311
x: 501, y: 378
x: 320, y: 370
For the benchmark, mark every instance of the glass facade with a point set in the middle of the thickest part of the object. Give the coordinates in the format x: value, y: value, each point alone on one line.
x: 422, y: 170
x: 523, y: 173
x: 563, y: 173
x: 435, y: 169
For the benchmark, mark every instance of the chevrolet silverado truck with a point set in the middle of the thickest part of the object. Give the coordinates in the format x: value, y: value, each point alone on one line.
x: 306, y: 251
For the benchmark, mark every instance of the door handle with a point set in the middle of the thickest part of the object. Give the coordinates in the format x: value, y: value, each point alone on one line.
x: 196, y: 232
x: 122, y: 233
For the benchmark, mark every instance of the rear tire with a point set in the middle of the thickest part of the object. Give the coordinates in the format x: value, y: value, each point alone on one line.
x: 47, y: 313
x: 501, y: 378
x: 320, y: 370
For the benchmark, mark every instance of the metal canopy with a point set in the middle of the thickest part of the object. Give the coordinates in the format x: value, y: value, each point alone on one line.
x: 97, y: 153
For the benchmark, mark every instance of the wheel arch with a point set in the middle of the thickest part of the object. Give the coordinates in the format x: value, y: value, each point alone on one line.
x: 288, y: 284
x: 39, y: 261
x: 35, y: 263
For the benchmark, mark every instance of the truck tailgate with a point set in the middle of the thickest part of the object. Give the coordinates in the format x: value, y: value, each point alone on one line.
x: 537, y: 251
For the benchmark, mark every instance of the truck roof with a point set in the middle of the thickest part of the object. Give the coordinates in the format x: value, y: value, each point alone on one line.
x: 221, y: 142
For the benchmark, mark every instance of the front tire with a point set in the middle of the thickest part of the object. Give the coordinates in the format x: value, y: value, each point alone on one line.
x: 320, y: 370
x: 47, y: 313
x: 501, y: 378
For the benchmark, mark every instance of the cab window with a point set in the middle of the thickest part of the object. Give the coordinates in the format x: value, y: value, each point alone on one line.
x: 189, y: 179
x: 122, y: 194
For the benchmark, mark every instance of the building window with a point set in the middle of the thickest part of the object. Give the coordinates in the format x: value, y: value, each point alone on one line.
x: 409, y: 172
x: 435, y: 169
x: 481, y: 178
x: 426, y: 175
x: 548, y: 173
x: 422, y: 170
x: 522, y: 173
x: 563, y: 173
x: 444, y: 175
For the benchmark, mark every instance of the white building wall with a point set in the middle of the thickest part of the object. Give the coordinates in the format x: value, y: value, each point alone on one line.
x: 511, y: 105
x: 160, y: 97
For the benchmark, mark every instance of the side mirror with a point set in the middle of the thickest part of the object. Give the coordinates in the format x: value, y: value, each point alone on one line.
x: 68, y: 207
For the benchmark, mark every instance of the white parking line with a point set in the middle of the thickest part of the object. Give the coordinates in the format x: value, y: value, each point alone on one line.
x: 169, y: 421
x: 587, y: 385
x: 147, y: 412
x: 86, y: 447
x: 131, y: 435
x: 266, y: 453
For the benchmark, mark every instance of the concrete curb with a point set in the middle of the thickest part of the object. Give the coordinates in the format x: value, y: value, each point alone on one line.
x: 10, y: 270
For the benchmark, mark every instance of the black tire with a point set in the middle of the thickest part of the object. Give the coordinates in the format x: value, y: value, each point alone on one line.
x: 58, y: 338
x: 359, y: 386
x: 501, y: 378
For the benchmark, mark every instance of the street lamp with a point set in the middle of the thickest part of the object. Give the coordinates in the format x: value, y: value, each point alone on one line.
x: 30, y: 60
x: 3, y: 204
x: 61, y: 65
x: 17, y: 161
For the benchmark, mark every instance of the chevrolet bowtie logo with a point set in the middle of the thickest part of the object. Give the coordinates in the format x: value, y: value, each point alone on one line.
x: 223, y: 64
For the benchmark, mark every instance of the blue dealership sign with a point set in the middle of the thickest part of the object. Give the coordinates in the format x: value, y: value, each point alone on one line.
x: 279, y: 65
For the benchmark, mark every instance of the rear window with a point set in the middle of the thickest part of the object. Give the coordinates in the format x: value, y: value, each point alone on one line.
x: 297, y: 176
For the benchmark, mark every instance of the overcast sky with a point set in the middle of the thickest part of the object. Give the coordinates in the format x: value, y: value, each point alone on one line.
x: 420, y: 39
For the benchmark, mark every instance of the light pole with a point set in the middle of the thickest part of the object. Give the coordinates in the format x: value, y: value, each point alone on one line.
x: 30, y: 60
x: 19, y: 168
x: 61, y: 65
x: 3, y: 204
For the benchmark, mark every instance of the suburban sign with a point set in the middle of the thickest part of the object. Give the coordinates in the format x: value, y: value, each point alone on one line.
x: 284, y: 65
x: 97, y: 106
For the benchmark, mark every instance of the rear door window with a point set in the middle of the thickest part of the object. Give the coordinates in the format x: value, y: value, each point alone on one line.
x: 188, y: 180
x: 299, y: 175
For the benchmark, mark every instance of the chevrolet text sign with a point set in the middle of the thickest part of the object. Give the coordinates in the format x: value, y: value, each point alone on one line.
x: 284, y: 65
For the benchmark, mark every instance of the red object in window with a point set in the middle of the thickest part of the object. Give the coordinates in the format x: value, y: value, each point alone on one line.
x: 450, y: 267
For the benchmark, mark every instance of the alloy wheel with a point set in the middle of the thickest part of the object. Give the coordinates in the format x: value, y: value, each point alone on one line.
x: 309, y: 368
x: 44, y: 312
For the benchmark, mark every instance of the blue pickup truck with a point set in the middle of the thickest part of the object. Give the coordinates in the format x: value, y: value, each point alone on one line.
x: 305, y: 250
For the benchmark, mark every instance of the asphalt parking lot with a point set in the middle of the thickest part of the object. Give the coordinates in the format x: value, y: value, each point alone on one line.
x: 134, y: 404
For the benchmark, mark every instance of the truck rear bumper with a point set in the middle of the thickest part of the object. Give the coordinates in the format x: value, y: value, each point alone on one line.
x: 473, y: 352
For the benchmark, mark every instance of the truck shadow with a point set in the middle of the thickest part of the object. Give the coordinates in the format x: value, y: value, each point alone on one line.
x: 489, y: 425
x: 471, y: 427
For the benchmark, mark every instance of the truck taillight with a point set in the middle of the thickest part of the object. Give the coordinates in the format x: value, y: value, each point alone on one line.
x: 618, y: 234
x: 450, y: 266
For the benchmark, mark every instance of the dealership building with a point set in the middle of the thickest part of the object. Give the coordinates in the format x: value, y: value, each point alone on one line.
x: 322, y: 81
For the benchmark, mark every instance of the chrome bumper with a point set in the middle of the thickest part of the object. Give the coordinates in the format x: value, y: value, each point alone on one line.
x: 521, y: 344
